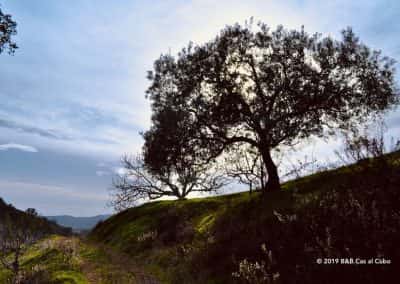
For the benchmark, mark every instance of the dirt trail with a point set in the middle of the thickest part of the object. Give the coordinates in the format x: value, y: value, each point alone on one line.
x: 121, y: 262
x: 102, y: 265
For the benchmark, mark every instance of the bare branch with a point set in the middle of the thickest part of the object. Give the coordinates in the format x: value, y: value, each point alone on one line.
x: 137, y: 183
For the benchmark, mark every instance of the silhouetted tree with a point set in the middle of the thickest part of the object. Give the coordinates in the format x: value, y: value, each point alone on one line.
x: 7, y: 29
x: 32, y: 212
x: 139, y: 183
x: 266, y: 88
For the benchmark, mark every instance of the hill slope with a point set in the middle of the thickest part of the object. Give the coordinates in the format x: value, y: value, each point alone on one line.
x: 351, y: 212
x: 329, y: 214
x: 10, y: 213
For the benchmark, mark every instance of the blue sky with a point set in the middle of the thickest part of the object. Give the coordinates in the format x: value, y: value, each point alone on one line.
x: 72, y: 96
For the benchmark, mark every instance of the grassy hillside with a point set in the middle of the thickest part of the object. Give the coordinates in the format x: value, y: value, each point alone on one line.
x: 203, y: 240
x: 59, y: 257
x: 352, y: 211
x: 10, y: 213
x: 19, y: 230
x: 70, y: 260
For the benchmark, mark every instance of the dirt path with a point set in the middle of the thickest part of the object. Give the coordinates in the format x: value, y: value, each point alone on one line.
x: 124, y: 262
x: 119, y: 269
x: 102, y: 265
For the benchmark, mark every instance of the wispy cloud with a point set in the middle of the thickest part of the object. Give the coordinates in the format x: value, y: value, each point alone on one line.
x: 52, y: 134
x: 102, y: 173
x: 20, y: 147
x: 51, y: 199
x: 97, y: 96
x: 51, y: 189
x: 80, y: 96
x: 31, y: 129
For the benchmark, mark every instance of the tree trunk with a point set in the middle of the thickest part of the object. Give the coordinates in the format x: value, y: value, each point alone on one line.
x: 273, y: 183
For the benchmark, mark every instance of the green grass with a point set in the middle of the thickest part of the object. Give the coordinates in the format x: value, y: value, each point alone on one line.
x: 48, y: 259
x: 4, y: 275
x: 185, y: 229
x: 69, y: 260
x: 162, y: 257
x: 69, y: 277
x: 191, y: 241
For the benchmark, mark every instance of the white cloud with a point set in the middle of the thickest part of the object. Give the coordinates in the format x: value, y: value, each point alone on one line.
x: 15, y: 146
x: 51, y: 190
x: 120, y: 171
x: 102, y: 173
x: 52, y: 199
x: 99, y: 111
x: 103, y: 100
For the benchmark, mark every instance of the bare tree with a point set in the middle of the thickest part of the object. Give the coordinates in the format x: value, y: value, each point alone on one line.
x: 16, y: 234
x: 245, y: 164
x: 367, y: 143
x: 136, y: 182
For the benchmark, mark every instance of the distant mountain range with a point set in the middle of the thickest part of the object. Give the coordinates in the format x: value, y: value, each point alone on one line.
x: 78, y: 223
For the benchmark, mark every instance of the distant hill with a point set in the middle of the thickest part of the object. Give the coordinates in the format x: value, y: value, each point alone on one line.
x: 9, y: 212
x: 78, y: 223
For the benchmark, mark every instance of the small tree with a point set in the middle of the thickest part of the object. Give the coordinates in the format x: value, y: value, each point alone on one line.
x: 268, y: 88
x: 32, y: 212
x: 369, y: 142
x: 7, y: 29
x: 245, y: 165
x: 137, y: 182
x: 16, y: 234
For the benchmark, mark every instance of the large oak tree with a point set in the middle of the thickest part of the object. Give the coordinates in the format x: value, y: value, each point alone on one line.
x: 265, y: 88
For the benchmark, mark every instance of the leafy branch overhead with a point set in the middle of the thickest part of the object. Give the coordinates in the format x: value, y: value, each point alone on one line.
x: 8, y: 28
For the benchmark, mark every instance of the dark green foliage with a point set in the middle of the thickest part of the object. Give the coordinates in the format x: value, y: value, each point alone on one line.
x: 358, y: 219
x: 41, y: 277
x: 7, y: 30
x: 262, y: 88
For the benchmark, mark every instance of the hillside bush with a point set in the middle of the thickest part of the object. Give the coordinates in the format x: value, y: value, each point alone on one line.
x: 360, y: 219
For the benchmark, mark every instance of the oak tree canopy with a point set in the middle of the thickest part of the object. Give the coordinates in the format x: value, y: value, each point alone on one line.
x: 261, y: 87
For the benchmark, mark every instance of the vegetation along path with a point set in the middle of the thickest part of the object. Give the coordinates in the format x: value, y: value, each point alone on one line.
x: 72, y: 260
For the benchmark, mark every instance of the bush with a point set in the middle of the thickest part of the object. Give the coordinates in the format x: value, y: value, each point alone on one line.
x: 358, y: 220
